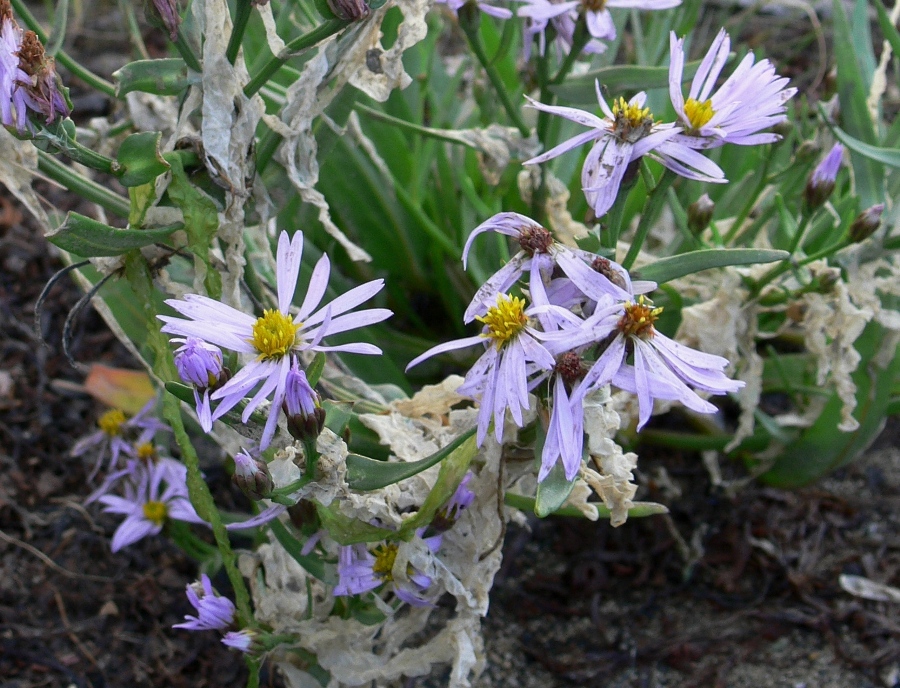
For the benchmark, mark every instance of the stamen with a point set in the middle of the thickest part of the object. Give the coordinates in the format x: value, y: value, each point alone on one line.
x: 698, y: 113
x: 274, y: 334
x: 505, y: 320
x: 569, y: 367
x: 535, y: 240
x: 111, y: 422
x: 156, y: 512
x: 632, y: 122
x: 639, y: 318
x: 385, y: 555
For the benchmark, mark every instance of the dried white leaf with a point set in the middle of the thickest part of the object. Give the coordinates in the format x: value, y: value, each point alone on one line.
x: 869, y: 589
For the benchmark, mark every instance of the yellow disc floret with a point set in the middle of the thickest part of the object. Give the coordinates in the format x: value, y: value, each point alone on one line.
x: 274, y: 334
x: 633, y: 115
x: 505, y: 320
x: 698, y: 113
x: 385, y: 555
x: 111, y: 422
x: 156, y: 512
x: 639, y: 318
x: 146, y: 452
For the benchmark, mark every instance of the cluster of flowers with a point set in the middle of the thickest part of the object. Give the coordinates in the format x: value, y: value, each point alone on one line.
x: 29, y: 83
x: 214, y: 613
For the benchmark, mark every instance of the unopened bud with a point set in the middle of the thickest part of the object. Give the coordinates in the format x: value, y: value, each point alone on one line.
x: 199, y: 363
x: 808, y: 150
x: 866, y: 223
x: 170, y: 16
x: 447, y: 516
x: 305, y: 415
x: 821, y: 182
x: 700, y: 213
x: 349, y: 10
x: 252, y: 476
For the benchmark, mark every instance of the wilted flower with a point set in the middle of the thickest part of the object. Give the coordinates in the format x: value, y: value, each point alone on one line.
x: 214, y: 613
x: 821, y: 182
x: 240, y: 640
x: 200, y: 364
x: 273, y: 337
x: 43, y: 89
x: 625, y: 134
x: 148, y: 503
x: 752, y: 99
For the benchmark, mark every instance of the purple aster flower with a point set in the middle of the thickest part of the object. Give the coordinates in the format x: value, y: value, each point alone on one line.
x: 493, y: 11
x: 144, y: 454
x: 360, y: 571
x: 752, y: 99
x: 43, y: 88
x: 240, y: 640
x: 147, y: 504
x: 13, y: 101
x: 302, y: 407
x: 200, y: 364
x: 564, y: 440
x: 500, y: 377
x: 821, y: 182
x: 214, y: 613
x: 662, y: 368
x: 447, y: 516
x: 119, y: 435
x: 624, y: 135
x: 540, y: 254
x: 563, y: 17
x: 275, y: 335
x: 599, y: 20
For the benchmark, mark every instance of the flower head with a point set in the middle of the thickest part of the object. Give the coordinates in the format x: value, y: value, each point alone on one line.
x: 240, y: 640
x: 562, y: 16
x: 627, y: 132
x: 599, y: 20
x: 821, y: 181
x: 753, y: 98
x: 302, y: 407
x: 272, y: 338
x: 447, y: 516
x: 214, y: 613
x: 43, y: 89
x: 150, y: 500
x: 200, y: 364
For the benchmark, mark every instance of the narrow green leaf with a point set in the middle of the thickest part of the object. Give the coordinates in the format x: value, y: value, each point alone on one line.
x: 167, y: 77
x: 553, y: 491
x: 888, y: 156
x: 349, y: 531
x: 581, y: 90
x: 890, y: 32
x: 453, y: 469
x: 141, y: 159
x: 667, y: 269
x: 86, y: 237
x: 366, y: 474
x: 638, y: 510
x: 314, y: 370
x: 313, y: 564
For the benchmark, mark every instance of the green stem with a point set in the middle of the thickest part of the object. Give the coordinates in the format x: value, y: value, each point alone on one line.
x: 783, y: 267
x: 470, y: 22
x: 579, y: 40
x: 307, y: 40
x: 203, y: 502
x: 268, y: 144
x: 241, y: 17
x: 805, y: 217
x: 610, y: 236
x: 187, y: 52
x: 56, y: 135
x: 87, y: 76
x: 84, y: 187
x: 651, y: 212
x: 312, y: 458
x: 751, y: 201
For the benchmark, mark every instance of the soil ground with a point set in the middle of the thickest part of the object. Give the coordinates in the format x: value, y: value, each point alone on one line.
x: 732, y: 591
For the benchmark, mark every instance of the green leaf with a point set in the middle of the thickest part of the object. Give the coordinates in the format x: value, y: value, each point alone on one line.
x: 366, y: 474
x: 315, y: 368
x: 167, y: 77
x: 888, y: 156
x: 581, y: 89
x: 349, y: 531
x: 553, y: 491
x: 890, y: 32
x: 140, y: 158
x: 313, y: 564
x: 140, y: 199
x: 667, y: 269
x: 453, y: 470
x: 86, y: 237
x: 638, y: 509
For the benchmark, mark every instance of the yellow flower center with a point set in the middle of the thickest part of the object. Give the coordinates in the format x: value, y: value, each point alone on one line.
x: 273, y: 334
x: 698, y: 113
x: 639, y: 318
x: 156, y: 512
x: 505, y: 320
x: 385, y: 555
x: 111, y: 422
x: 632, y: 122
x: 146, y: 452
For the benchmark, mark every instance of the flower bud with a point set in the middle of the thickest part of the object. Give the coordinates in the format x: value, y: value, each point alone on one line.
x: 252, y: 476
x: 821, y: 182
x: 866, y: 223
x: 305, y: 415
x: 199, y: 363
x: 349, y: 10
x: 447, y: 516
x: 700, y: 213
x: 168, y: 13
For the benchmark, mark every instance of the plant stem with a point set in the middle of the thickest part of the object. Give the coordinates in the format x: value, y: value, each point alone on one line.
x: 84, y: 187
x: 63, y: 57
x: 805, y: 217
x: 241, y: 17
x: 786, y: 265
x: 203, y: 502
x: 307, y: 40
x: 651, y: 212
x: 187, y: 52
x: 470, y: 22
